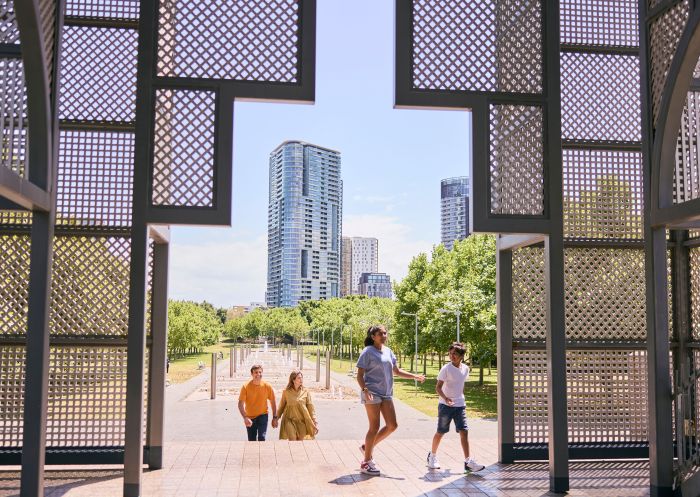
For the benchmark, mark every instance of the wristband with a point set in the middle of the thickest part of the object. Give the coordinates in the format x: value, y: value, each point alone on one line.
x: 365, y: 389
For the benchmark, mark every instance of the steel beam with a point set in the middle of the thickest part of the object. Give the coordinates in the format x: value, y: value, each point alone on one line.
x: 158, y: 356
x: 506, y: 405
x: 22, y: 192
x: 512, y: 242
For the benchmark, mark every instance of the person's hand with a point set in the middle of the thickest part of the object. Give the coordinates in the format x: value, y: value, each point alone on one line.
x: 315, y: 427
x: 368, y: 396
x: 449, y: 401
x: 420, y: 378
x: 248, y: 422
x: 274, y: 422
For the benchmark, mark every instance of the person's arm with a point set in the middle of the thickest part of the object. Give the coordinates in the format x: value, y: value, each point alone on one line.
x: 273, y: 405
x: 283, y: 405
x: 361, y: 382
x: 241, y: 408
x: 405, y: 374
x: 438, y: 389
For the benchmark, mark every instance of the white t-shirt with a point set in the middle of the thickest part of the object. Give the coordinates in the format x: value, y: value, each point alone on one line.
x: 453, y: 386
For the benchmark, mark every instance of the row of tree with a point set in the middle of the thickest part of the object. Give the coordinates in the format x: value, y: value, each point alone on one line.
x: 192, y: 326
x: 463, y: 279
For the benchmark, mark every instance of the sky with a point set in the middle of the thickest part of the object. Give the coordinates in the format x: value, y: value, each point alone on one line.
x: 392, y: 161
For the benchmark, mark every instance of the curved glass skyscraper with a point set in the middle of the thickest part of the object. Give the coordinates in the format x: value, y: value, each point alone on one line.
x: 304, y: 224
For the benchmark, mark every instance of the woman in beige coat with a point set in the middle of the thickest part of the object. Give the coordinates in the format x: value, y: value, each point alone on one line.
x: 298, y: 417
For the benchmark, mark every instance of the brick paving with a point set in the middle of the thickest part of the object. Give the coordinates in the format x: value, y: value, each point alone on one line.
x: 206, y: 455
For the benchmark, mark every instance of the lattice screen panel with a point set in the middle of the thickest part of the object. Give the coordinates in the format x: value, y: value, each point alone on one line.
x: 95, y: 176
x: 9, y: 32
x: 516, y: 159
x: 602, y: 194
x: 600, y: 99
x: 110, y: 9
x: 12, y: 399
x: 694, y: 263
x: 98, y: 70
x: 600, y: 23
x: 13, y: 116
x: 665, y: 33
x: 90, y: 286
x: 183, y: 156
x: 478, y: 46
x: 529, y: 303
x: 14, y: 291
x: 530, y: 396
x: 605, y: 294
x: 607, y: 392
x: 686, y: 178
x: 249, y: 40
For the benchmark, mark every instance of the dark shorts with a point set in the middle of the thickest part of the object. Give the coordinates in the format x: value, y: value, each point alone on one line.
x: 258, y: 430
x: 447, y: 414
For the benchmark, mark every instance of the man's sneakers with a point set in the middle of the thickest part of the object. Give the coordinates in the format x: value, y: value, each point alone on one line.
x: 369, y: 468
x: 432, y: 461
x: 471, y: 466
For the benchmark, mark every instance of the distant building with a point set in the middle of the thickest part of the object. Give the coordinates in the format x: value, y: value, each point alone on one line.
x: 376, y: 285
x: 454, y: 212
x: 304, y: 224
x: 255, y: 305
x: 236, y: 311
x: 360, y: 255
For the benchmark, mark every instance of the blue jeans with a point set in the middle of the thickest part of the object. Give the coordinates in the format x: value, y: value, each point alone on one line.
x: 258, y: 429
x: 448, y: 413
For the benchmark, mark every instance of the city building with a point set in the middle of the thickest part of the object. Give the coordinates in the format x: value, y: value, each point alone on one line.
x: 304, y: 224
x: 454, y: 211
x: 360, y: 255
x: 236, y: 311
x: 376, y: 285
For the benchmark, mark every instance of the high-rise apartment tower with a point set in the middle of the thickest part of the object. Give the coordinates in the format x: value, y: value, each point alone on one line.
x: 454, y: 212
x: 360, y: 255
x: 304, y: 224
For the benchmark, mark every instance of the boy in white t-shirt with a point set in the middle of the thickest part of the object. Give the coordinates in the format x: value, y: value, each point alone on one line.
x: 451, y: 406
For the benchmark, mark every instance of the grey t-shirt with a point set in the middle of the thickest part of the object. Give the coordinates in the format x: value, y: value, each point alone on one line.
x: 378, y: 366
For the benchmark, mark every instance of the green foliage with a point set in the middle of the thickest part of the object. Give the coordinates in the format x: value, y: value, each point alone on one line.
x: 324, y: 319
x: 192, y: 326
x: 463, y: 279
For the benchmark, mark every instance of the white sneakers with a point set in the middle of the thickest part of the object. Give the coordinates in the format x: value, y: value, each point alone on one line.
x: 432, y: 461
x: 369, y: 468
x: 471, y: 466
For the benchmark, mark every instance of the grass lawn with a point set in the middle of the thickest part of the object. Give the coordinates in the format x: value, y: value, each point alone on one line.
x: 184, y: 368
x: 481, y: 400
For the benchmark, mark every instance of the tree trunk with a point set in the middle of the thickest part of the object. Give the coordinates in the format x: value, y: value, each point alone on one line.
x: 412, y: 358
x: 425, y: 363
x: 481, y: 374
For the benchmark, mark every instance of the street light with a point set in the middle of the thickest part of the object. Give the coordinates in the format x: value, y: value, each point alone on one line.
x: 456, y: 313
x: 415, y: 360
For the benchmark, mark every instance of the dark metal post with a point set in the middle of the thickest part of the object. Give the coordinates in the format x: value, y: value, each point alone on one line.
x: 212, y: 395
x: 506, y: 407
x: 660, y: 425
x: 158, y: 356
x: 558, y: 440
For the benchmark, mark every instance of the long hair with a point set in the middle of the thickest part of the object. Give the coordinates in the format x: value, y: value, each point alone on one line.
x: 375, y: 328
x: 293, y: 376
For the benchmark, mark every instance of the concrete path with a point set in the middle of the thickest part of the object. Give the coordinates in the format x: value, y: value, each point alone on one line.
x: 205, y: 454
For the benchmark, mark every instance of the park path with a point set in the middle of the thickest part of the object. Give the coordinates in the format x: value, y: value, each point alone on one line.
x: 205, y: 454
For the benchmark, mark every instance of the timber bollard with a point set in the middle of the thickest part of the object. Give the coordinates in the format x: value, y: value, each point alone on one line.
x: 231, y: 361
x: 213, y: 375
x: 328, y: 370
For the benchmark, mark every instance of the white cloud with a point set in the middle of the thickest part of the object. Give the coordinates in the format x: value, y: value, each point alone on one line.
x: 224, y: 270
x: 397, y: 242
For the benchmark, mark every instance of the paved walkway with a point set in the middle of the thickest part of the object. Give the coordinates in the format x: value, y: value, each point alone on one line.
x: 206, y: 455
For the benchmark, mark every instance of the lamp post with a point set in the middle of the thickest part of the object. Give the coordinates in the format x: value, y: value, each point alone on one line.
x: 415, y: 360
x: 456, y: 313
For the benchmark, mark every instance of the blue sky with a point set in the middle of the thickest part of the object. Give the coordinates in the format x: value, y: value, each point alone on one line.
x: 392, y: 161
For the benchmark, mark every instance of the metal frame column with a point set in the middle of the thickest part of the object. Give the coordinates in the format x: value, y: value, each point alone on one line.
x: 158, y: 356
x: 504, y: 304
